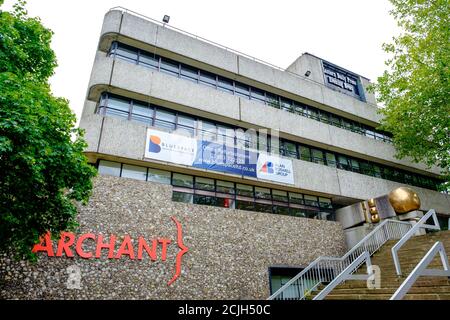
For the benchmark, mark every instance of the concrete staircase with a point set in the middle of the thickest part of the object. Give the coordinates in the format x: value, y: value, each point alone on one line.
x: 434, y: 288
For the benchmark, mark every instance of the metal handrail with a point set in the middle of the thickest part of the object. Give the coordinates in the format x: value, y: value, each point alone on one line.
x: 420, y: 224
x: 347, y: 274
x: 326, y: 269
x: 421, y: 270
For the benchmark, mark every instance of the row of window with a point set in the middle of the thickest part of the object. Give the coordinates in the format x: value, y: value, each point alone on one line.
x: 196, y: 75
x: 169, y: 120
x: 207, y: 191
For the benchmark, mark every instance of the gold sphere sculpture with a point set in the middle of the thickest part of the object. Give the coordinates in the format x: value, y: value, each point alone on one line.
x: 404, y: 200
x: 373, y: 210
x: 371, y: 202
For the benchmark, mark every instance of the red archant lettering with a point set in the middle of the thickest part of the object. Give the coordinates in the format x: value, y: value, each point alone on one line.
x: 129, y: 251
x: 65, y: 246
x: 164, y: 243
x: 79, y: 249
x: 142, y: 244
x: 100, y: 245
x: 45, y: 244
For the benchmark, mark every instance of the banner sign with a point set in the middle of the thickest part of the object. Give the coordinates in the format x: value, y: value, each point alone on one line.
x: 211, y: 155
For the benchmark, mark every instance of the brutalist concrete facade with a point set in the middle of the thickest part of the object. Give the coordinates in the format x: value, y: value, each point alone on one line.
x: 125, y: 140
x: 229, y: 251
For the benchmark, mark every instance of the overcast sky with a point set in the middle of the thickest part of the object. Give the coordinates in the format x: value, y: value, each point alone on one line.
x: 348, y: 33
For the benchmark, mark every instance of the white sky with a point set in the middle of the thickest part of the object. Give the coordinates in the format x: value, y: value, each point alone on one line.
x: 348, y: 33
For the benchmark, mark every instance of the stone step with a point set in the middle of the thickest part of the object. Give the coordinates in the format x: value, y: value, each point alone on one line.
x: 395, y: 284
x: 416, y: 290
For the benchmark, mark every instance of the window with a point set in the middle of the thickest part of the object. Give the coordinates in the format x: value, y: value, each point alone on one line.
x: 258, y: 95
x: 207, y: 78
x: 272, y: 100
x: 189, y: 73
x: 376, y: 171
x: 263, y: 207
x: 159, y: 176
x: 355, y: 165
x: 289, y: 149
x: 244, y: 190
x: 311, y: 201
x: 242, y: 90
x: 343, y: 162
x: 284, y: 210
x: 366, y: 168
x: 126, y: 53
x: 317, y: 156
x: 205, y: 200
x: 300, y: 109
x: 331, y: 159
x: 335, y: 120
x: 118, y: 107
x: 325, y: 203
x: 295, y: 198
x: 142, y: 113
x: 225, y: 84
x: 225, y: 202
x: 297, y: 212
x: 109, y: 168
x: 324, y: 116
x: 165, y: 120
x: 170, y: 66
x: 134, y: 172
x: 225, y: 187
x: 245, y: 205
x: 305, y: 153
x: 148, y: 60
x: 204, y: 184
x: 182, y: 180
x: 262, y: 193
x: 286, y: 105
x: 182, y: 197
x: 186, y: 124
x: 278, y: 195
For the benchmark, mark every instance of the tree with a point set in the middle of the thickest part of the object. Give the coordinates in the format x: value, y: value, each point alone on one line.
x: 415, y: 89
x: 42, y: 165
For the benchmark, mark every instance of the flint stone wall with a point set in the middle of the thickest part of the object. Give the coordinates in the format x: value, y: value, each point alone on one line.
x: 229, y: 254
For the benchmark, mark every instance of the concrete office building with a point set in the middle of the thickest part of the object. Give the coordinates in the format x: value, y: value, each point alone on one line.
x: 158, y: 96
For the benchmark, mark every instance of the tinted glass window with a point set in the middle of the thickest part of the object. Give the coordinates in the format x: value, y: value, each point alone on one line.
x: 279, y: 195
x: 109, y: 168
x: 165, y: 119
x: 331, y: 159
x: 225, y: 187
x: 159, y: 176
x: 272, y: 100
x: 134, y: 172
x: 182, y: 180
x: 208, y: 78
x: 262, y: 193
x: 244, y: 190
x: 189, y: 73
x: 258, y: 95
x: 317, y: 156
x: 169, y: 66
x: 242, y: 90
x: 148, y: 60
x: 225, y: 84
x: 182, y: 197
x: 204, y: 184
x: 127, y: 53
x: 295, y: 198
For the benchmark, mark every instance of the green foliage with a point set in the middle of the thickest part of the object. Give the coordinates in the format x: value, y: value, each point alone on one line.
x: 43, y: 169
x: 415, y: 89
